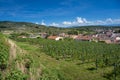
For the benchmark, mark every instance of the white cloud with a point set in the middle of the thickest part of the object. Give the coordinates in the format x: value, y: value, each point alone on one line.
x: 54, y: 24
x: 117, y: 21
x: 107, y: 21
x: 79, y: 21
x: 36, y: 23
x: 67, y: 23
x: 110, y: 21
x: 98, y: 22
x: 43, y: 23
x: 85, y: 21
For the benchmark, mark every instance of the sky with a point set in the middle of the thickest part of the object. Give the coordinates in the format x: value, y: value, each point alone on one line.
x: 61, y: 13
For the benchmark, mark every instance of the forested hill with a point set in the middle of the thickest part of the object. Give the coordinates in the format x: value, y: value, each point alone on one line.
x: 11, y: 24
x: 32, y: 27
x: 29, y: 27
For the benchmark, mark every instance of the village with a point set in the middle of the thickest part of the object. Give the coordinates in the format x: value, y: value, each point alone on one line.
x: 108, y: 36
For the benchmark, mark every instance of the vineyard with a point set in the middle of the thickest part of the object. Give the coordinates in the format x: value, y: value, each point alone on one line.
x: 23, y: 57
x: 4, y: 53
x: 101, y: 54
x: 7, y: 69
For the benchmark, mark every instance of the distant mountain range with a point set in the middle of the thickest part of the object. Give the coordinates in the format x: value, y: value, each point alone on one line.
x: 29, y: 27
x: 29, y: 24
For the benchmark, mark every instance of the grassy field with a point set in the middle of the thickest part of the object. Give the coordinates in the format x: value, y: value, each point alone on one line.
x: 45, y: 67
x: 42, y: 59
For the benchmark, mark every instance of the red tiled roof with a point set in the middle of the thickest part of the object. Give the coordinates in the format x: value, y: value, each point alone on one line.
x: 52, y: 37
x: 83, y: 38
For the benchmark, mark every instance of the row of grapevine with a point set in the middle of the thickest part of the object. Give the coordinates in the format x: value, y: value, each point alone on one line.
x: 105, y: 54
x: 4, y: 53
x: 100, y: 53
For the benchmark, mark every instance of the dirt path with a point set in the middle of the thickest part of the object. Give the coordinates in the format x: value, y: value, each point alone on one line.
x: 14, y: 51
x: 12, y: 54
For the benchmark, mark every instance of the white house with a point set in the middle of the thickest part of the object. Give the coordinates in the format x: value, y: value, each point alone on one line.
x: 59, y: 38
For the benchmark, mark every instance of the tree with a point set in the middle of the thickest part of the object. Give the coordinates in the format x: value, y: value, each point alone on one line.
x: 73, y: 32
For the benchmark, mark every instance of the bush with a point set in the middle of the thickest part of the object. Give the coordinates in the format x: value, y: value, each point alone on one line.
x: 4, y: 53
x: 16, y: 75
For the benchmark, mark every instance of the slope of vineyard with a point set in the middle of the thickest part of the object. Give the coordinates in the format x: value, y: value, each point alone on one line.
x: 4, y: 53
x: 42, y: 59
x: 8, y: 60
x: 72, y: 60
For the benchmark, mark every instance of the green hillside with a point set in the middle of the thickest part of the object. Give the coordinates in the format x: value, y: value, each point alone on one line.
x: 29, y: 27
x: 19, y: 27
x: 4, y: 52
x: 41, y: 59
x: 44, y: 59
x: 81, y: 61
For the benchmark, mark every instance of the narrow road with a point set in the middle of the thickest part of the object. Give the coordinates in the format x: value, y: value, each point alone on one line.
x: 12, y: 54
x: 14, y: 51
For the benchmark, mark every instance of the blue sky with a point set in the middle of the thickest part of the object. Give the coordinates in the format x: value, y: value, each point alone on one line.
x: 61, y: 12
